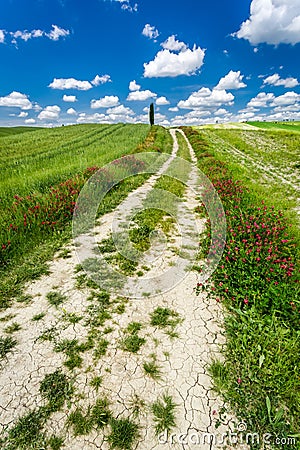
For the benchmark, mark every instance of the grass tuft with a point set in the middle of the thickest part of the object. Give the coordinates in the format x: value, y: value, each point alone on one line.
x: 6, y: 345
x: 123, y: 435
x: 56, y: 388
x: 55, y: 298
x: 55, y: 442
x: 152, y: 369
x: 12, y: 328
x: 164, y: 414
x: 132, y: 342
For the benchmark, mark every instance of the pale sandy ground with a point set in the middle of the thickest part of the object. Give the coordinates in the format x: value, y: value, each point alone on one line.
x: 233, y: 126
x: 183, y: 361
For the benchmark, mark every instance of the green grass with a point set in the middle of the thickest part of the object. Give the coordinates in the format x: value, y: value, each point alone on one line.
x: 38, y: 160
x: 123, y: 435
x: 100, y: 413
x: 152, y: 369
x: 97, y: 416
x: 131, y: 341
x: 289, y: 126
x: 27, y: 433
x: 55, y: 442
x: 101, y: 348
x: 71, y: 317
x: 9, y: 131
x: 56, y: 388
x: 183, y: 150
x: 38, y: 317
x: 72, y: 349
x: 96, y: 382
x: 133, y: 327
x: 7, y: 317
x: 6, y: 345
x: 12, y: 328
x: 55, y: 298
x: 164, y: 317
x: 97, y: 315
x: 136, y: 405
x: 151, y: 219
x: 80, y: 423
x: 163, y: 411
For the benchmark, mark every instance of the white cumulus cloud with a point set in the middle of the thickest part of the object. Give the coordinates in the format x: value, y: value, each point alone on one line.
x: 105, y: 102
x: 120, y: 110
x: 141, y: 95
x: 206, y: 98
x: 49, y: 113
x: 272, y: 22
x: 71, y: 111
x: 69, y: 98
x: 160, y: 101
x: 23, y: 114
x: 170, y: 64
x: 70, y: 83
x: 174, y: 109
x: 150, y: 31
x: 275, y: 80
x: 133, y: 86
x: 289, y: 98
x: 81, y: 85
x: 101, y: 80
x: 262, y: 100
x: 2, y: 36
x: 172, y: 44
x: 221, y: 112
x: 30, y: 121
x: 17, y: 100
x: 233, y: 80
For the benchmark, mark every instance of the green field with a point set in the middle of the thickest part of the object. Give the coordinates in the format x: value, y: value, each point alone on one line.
x: 34, y: 161
x: 42, y: 173
x: 9, y: 131
x: 289, y: 126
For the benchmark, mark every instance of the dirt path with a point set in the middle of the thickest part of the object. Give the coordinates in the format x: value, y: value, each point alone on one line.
x: 85, y: 336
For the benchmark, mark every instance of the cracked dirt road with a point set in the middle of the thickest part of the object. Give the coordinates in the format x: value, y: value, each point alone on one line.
x: 182, y: 353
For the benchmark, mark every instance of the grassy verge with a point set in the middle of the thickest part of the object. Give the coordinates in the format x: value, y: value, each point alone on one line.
x: 256, y: 281
x: 35, y: 226
x: 183, y: 150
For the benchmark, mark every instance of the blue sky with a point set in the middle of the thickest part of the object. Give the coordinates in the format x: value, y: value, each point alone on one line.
x: 70, y: 61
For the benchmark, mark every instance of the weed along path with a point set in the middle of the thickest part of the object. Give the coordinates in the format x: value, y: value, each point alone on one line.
x: 113, y: 348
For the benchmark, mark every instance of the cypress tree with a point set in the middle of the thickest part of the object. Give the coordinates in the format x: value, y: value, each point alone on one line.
x: 151, y: 114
